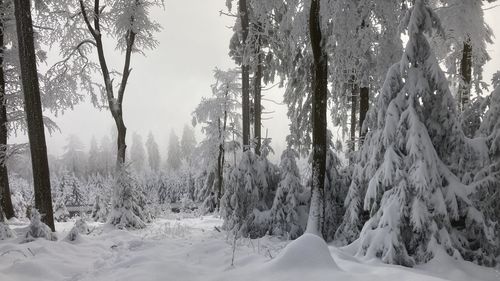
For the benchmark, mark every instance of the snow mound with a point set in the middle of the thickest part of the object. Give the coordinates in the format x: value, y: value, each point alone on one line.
x: 307, y: 251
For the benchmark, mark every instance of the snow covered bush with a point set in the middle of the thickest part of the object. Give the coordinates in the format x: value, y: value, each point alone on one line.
x: 409, y: 174
x: 80, y: 227
x: 37, y: 229
x: 128, y: 202
x: 287, y: 212
x: 5, y: 231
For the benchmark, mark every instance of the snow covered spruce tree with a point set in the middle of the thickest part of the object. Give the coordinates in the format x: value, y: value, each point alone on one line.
x: 128, y: 207
x: 416, y: 200
x: 249, y: 194
x: 290, y: 202
x: 486, y: 181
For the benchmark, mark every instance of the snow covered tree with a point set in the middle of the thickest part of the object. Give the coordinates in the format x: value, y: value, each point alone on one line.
x: 80, y: 29
x: 188, y: 142
x: 102, y: 203
x: 137, y: 154
x: 464, y: 46
x: 174, y: 157
x: 153, y: 153
x: 288, y: 203
x: 38, y: 229
x: 106, y: 158
x: 249, y: 194
x: 93, y: 161
x: 61, y: 213
x: 410, y: 162
x: 128, y: 207
x: 216, y: 113
x: 74, y: 156
x: 486, y: 179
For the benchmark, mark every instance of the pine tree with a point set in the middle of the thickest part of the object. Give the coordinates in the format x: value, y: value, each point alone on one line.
x: 416, y: 200
x: 93, y: 158
x: 286, y: 209
x: 137, y: 154
x: 128, y: 203
x: 174, y: 160
x: 153, y: 153
x: 188, y: 142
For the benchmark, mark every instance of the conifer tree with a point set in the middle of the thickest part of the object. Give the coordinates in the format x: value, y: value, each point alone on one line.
x: 414, y: 194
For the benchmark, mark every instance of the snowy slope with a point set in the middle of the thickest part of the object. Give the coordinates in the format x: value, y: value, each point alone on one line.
x: 191, y: 249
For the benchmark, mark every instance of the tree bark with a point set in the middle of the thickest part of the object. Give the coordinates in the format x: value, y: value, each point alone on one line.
x: 364, y: 106
x: 354, y: 117
x: 33, y: 109
x: 319, y: 108
x: 6, y: 201
x: 220, y: 159
x: 465, y: 74
x: 258, y: 103
x: 245, y: 75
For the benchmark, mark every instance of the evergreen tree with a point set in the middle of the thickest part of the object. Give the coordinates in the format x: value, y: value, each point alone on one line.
x: 94, y: 158
x: 137, y: 154
x: 128, y: 208
x: 153, y: 153
x: 416, y: 200
x: 188, y: 142
x: 174, y: 158
x: 286, y: 209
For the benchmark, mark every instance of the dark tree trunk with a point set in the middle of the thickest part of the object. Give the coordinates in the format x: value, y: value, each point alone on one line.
x: 258, y: 103
x: 319, y: 108
x: 220, y: 158
x: 364, y: 105
x: 354, y: 116
x: 33, y: 108
x: 6, y: 201
x: 245, y: 75
x: 466, y: 74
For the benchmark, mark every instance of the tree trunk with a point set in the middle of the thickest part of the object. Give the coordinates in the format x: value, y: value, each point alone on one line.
x: 354, y: 117
x: 364, y: 105
x: 319, y: 107
x: 245, y: 76
x: 33, y: 109
x: 465, y: 74
x: 6, y: 201
x: 258, y: 103
x: 220, y: 159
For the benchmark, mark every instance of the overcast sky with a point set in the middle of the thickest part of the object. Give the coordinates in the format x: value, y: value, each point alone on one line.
x: 166, y: 85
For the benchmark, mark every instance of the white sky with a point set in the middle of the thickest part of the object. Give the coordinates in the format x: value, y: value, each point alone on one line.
x: 166, y: 85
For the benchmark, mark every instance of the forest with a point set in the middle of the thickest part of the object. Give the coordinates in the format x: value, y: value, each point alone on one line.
x: 390, y: 167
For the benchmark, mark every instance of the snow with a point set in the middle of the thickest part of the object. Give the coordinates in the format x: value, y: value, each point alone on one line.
x: 177, y: 247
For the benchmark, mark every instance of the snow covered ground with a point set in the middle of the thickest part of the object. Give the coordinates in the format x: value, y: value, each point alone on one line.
x: 180, y: 248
